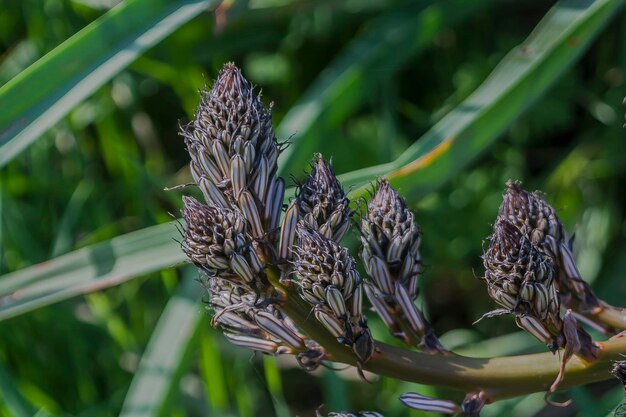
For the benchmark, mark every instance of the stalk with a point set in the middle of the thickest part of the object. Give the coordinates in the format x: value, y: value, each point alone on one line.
x: 499, y: 377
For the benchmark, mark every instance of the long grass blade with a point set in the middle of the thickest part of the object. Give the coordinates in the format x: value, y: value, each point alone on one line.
x: 379, y: 51
x: 523, y: 76
x: 13, y: 402
x: 42, y: 94
x: 165, y: 357
x: 89, y: 269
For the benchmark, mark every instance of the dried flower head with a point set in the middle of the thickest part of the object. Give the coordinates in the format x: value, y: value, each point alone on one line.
x: 234, y: 151
x: 322, y: 203
x: 537, y: 220
x: 217, y: 240
x: 390, y: 253
x: 249, y: 322
x: 328, y: 280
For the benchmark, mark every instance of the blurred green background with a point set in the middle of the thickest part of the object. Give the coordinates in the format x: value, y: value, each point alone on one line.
x: 89, y: 139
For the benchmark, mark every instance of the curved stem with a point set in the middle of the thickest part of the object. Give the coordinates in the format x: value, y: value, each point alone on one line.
x: 612, y: 316
x: 499, y: 378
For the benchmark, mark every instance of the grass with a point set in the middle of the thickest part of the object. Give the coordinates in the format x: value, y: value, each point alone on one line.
x: 87, y: 149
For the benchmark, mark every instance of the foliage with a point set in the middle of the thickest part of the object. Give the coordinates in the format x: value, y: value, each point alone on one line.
x: 372, y: 84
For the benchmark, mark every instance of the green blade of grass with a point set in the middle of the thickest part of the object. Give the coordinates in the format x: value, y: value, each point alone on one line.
x: 274, y: 383
x: 377, y: 52
x: 523, y: 76
x: 12, y: 400
x: 47, y: 90
x: 89, y: 269
x: 165, y: 357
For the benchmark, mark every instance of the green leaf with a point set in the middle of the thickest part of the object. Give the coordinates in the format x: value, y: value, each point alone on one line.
x: 376, y: 54
x: 46, y: 91
x: 89, y: 269
x: 523, y: 76
x: 166, y: 356
x: 274, y: 383
x: 12, y: 399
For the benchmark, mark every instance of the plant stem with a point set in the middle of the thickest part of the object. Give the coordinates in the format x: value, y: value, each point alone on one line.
x: 499, y: 378
x: 612, y: 316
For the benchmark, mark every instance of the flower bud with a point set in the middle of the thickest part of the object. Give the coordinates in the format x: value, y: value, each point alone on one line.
x: 328, y: 280
x: 322, y: 203
x: 521, y: 279
x: 234, y: 151
x: 537, y: 220
x: 390, y: 253
x: 216, y: 239
x: 248, y: 322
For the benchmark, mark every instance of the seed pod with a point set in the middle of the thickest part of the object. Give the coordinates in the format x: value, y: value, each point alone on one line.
x: 390, y: 253
x: 537, y: 220
x: 328, y: 279
x: 322, y: 203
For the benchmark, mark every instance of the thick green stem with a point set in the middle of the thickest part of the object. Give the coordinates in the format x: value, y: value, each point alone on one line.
x: 612, y: 316
x: 501, y: 377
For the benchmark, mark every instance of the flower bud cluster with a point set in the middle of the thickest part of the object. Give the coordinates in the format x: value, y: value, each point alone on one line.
x: 259, y: 326
x: 390, y: 253
x: 217, y: 240
x: 320, y: 204
x: 231, y: 237
x: 523, y: 265
x: 234, y: 151
x: 329, y: 281
x: 520, y: 278
x: 537, y: 220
